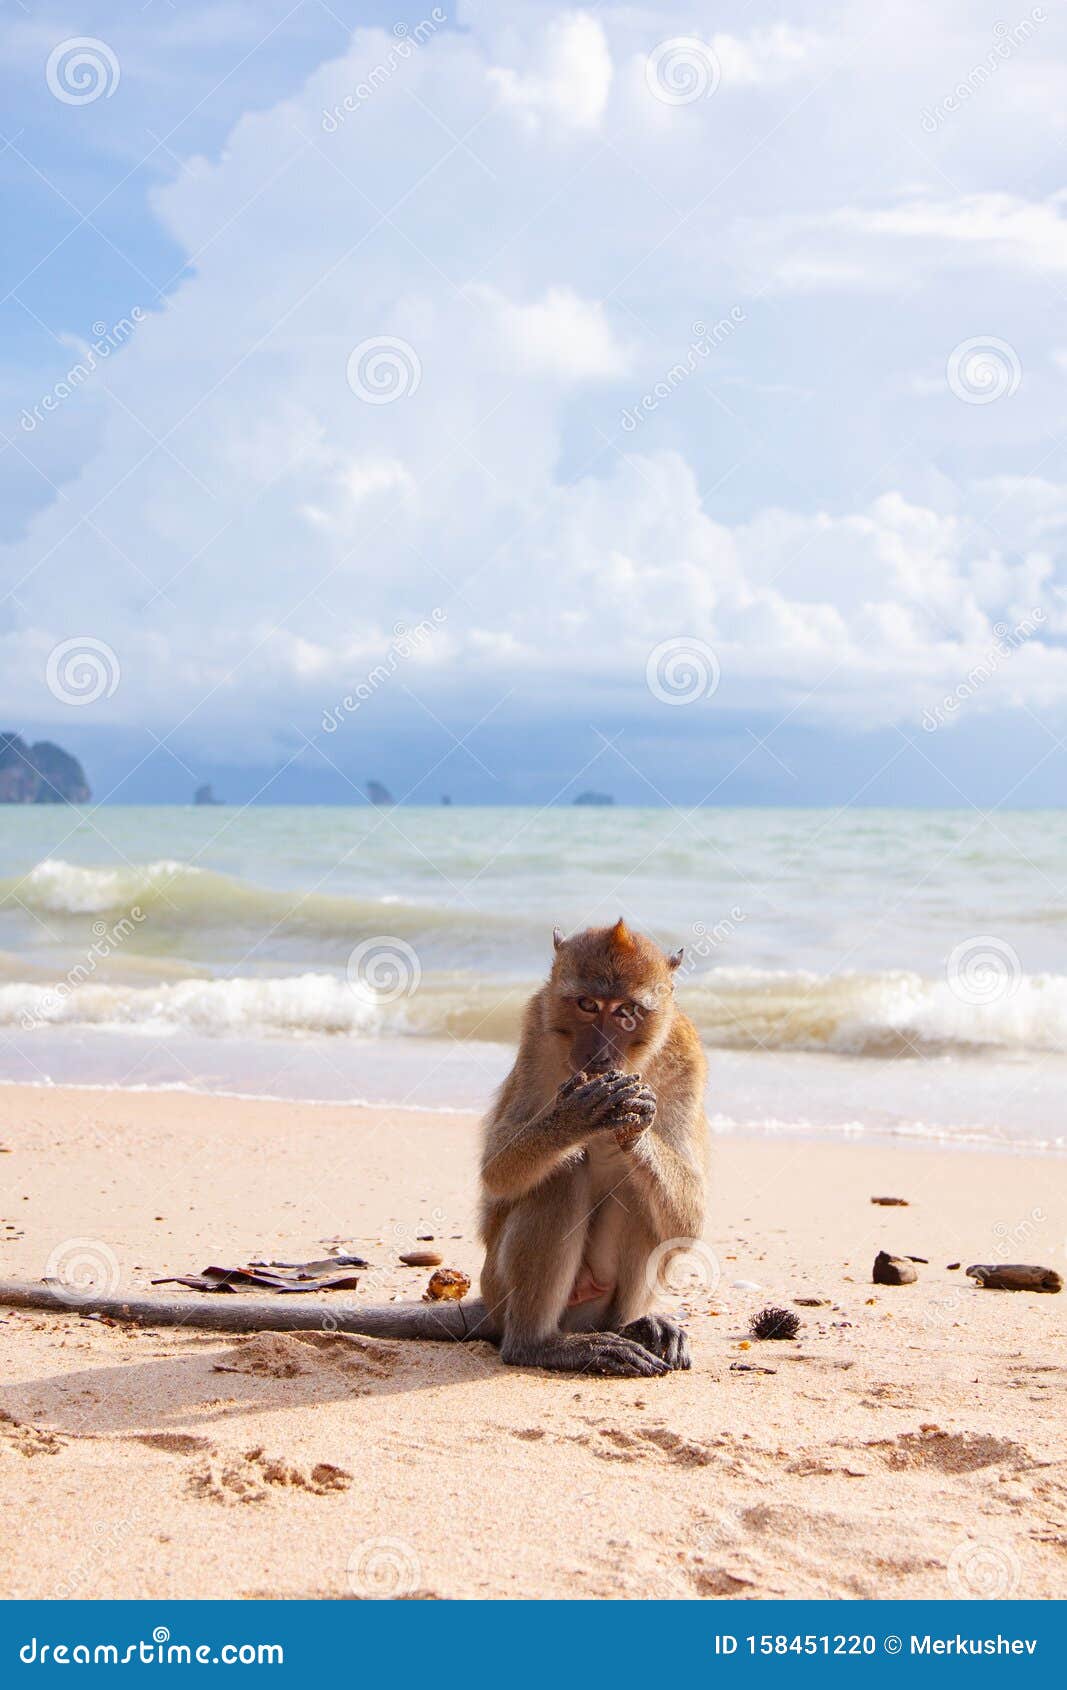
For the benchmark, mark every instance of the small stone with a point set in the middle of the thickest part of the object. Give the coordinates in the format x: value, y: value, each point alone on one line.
x: 893, y: 1270
x: 422, y: 1259
x: 891, y: 1202
x: 746, y: 1285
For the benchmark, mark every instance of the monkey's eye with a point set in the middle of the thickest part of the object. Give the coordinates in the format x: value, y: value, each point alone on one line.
x: 588, y: 1006
x: 629, y: 1012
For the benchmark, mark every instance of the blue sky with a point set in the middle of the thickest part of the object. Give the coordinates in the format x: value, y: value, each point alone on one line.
x: 663, y: 400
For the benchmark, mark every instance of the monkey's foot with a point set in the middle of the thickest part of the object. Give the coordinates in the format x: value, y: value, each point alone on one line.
x: 608, y: 1354
x: 665, y: 1338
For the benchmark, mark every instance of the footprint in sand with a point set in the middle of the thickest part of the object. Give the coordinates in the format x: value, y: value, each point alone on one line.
x: 21, y: 1439
x: 949, y: 1452
x: 288, y: 1355
x: 252, y: 1476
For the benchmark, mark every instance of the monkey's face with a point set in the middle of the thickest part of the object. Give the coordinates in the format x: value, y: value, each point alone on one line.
x: 611, y: 998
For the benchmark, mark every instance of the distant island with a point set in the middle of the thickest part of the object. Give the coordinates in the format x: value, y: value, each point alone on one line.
x: 379, y: 794
x: 594, y: 798
x: 204, y: 795
x: 39, y: 774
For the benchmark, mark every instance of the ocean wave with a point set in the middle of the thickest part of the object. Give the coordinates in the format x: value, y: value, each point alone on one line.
x: 183, y: 899
x: 885, y: 1015
x: 302, y: 1004
x: 890, y: 1014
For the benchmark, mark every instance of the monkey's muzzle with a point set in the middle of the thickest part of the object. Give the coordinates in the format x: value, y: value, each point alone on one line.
x: 593, y: 1051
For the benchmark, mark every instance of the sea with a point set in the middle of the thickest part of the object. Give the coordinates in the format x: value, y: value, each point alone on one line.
x: 859, y: 972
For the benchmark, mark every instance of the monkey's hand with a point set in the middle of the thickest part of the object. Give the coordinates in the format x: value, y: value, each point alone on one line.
x: 638, y: 1116
x: 612, y: 1102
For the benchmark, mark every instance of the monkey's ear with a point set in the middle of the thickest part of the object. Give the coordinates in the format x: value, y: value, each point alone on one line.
x: 557, y: 938
x: 675, y: 958
x: 621, y: 937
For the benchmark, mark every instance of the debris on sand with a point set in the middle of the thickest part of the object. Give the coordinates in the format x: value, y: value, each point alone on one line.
x: 422, y: 1259
x: 893, y: 1270
x: 891, y: 1202
x: 773, y: 1322
x: 274, y: 1276
x: 447, y: 1285
x: 1015, y: 1276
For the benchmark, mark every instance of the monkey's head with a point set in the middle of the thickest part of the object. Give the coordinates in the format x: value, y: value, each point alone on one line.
x: 611, y: 997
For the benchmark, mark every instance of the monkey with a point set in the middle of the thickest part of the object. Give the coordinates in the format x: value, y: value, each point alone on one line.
x: 593, y: 1163
x: 594, y: 1157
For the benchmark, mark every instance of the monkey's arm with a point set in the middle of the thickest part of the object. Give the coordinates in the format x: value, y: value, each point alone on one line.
x: 668, y: 1159
x: 520, y: 1154
x: 673, y: 1184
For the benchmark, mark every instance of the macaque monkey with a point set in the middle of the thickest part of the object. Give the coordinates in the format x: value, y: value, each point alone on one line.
x: 593, y: 1158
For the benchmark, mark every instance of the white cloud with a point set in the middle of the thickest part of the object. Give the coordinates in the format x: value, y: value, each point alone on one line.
x: 559, y: 335
x: 767, y: 57
x: 875, y: 248
x: 542, y: 236
x: 565, y: 80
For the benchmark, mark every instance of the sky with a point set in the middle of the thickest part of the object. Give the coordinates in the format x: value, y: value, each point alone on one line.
x: 514, y: 400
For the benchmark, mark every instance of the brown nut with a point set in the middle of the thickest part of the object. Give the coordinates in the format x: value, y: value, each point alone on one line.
x: 422, y: 1259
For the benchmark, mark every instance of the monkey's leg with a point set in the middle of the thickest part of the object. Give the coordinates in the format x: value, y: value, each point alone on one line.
x: 539, y: 1256
x: 630, y: 1314
x: 665, y: 1338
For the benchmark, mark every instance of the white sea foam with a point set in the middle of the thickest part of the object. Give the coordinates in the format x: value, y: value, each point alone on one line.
x: 302, y: 1004
x: 852, y: 1015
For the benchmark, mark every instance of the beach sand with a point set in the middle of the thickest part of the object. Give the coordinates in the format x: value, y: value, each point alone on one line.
x: 911, y: 1442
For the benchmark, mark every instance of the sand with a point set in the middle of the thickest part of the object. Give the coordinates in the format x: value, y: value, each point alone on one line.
x: 911, y: 1442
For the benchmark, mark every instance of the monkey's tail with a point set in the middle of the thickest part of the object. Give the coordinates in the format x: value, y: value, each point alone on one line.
x: 222, y: 1313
